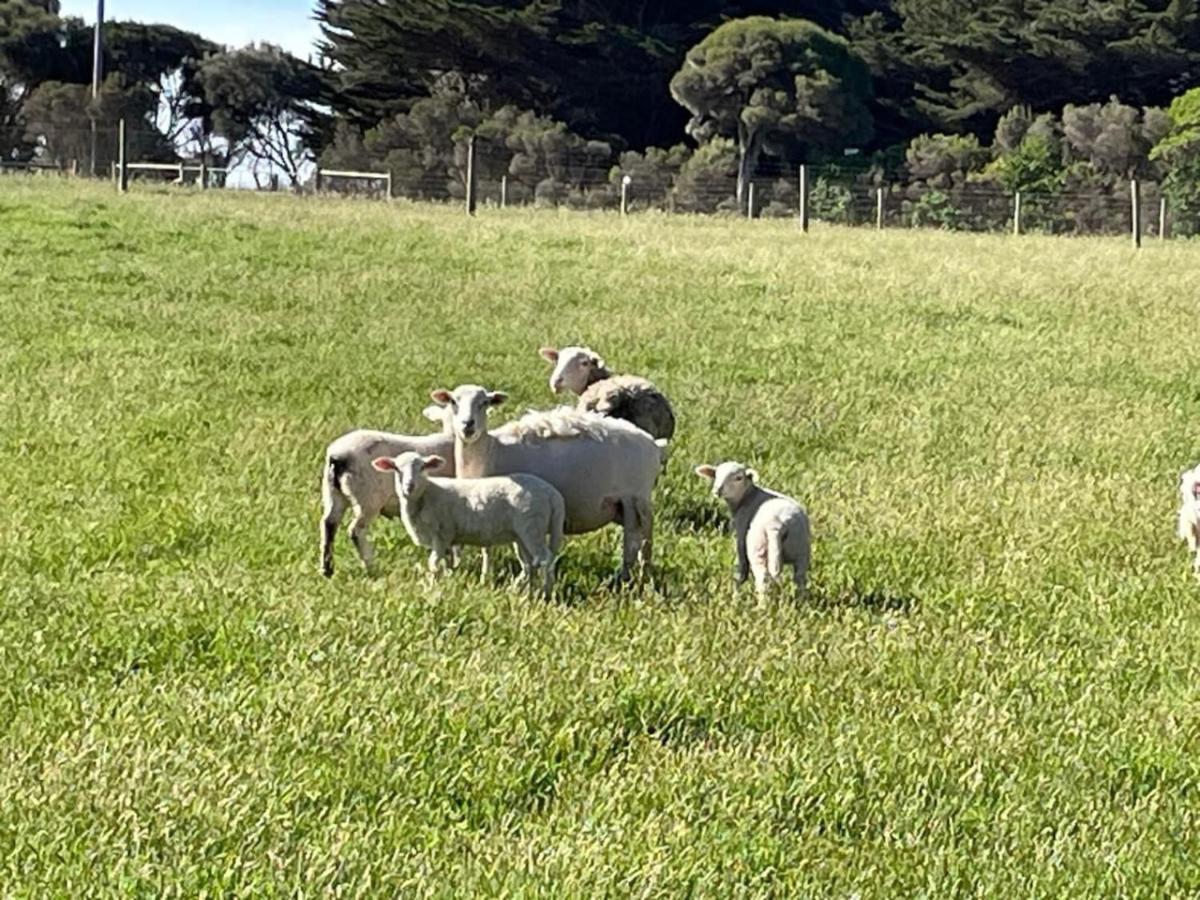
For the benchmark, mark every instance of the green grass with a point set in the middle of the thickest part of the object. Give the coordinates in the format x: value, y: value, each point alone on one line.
x: 993, y: 690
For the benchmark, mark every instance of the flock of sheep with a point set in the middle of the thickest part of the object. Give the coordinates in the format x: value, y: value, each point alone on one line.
x: 564, y: 471
x: 542, y: 476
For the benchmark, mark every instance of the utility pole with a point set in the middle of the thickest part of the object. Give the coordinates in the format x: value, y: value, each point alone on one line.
x: 97, y: 73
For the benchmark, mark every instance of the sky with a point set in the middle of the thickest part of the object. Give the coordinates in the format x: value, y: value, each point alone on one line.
x: 235, y: 22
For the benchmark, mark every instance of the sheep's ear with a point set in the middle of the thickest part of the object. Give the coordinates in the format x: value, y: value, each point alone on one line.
x: 752, y: 475
x: 495, y: 398
x: 549, y: 354
x: 433, y: 413
x: 706, y: 472
x: 440, y: 397
x: 432, y: 462
x: 384, y: 464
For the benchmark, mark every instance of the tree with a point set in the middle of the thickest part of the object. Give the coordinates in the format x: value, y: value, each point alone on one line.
x: 58, y: 118
x: 166, y: 60
x: 261, y: 99
x: 776, y: 85
x: 602, y: 67
x: 1179, y: 150
x: 961, y: 65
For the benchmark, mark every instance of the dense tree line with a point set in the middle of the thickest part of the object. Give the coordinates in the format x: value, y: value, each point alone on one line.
x: 567, y: 95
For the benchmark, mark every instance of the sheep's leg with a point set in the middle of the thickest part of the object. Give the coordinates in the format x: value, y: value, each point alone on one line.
x: 636, y: 518
x: 440, y: 558
x: 333, y: 509
x: 358, y: 534
x: 646, y: 521
x: 742, y: 572
x: 526, y: 555
x: 484, y: 565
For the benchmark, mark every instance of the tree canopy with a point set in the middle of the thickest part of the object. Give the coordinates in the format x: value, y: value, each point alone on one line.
x: 782, y: 84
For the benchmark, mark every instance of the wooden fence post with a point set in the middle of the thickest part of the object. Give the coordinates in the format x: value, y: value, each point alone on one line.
x: 804, y: 199
x: 879, y: 208
x: 471, y: 177
x: 1017, y: 213
x: 750, y: 201
x: 317, y: 181
x: 625, y: 182
x: 122, y: 168
x: 388, y: 185
x: 503, y: 191
x: 1162, y: 218
x: 1135, y: 201
x: 203, y: 176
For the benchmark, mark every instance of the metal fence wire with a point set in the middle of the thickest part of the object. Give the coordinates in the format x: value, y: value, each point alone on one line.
x: 558, y: 171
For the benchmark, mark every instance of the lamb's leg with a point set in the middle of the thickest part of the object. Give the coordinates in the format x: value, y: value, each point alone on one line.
x: 359, y: 526
x: 333, y: 507
x: 631, y: 539
x: 526, y: 555
x: 646, y: 522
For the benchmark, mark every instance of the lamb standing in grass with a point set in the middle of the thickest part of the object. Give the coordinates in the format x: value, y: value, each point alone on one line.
x: 770, y: 530
x: 1189, y: 514
x: 582, y: 372
x: 440, y: 513
x: 350, y: 481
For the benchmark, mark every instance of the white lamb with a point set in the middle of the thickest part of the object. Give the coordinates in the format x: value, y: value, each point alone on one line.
x: 440, y: 513
x: 770, y: 530
x: 350, y: 481
x: 1189, y: 514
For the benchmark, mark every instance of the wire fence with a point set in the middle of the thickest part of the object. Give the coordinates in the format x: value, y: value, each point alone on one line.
x: 507, y: 174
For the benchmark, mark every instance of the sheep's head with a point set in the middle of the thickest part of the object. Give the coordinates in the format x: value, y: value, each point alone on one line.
x: 575, y: 368
x: 469, y: 405
x: 731, y: 480
x: 1189, y: 485
x: 409, y: 469
x: 440, y: 415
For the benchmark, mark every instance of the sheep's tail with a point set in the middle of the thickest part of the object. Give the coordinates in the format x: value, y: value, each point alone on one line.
x: 664, y: 451
x: 558, y: 517
x: 774, y: 551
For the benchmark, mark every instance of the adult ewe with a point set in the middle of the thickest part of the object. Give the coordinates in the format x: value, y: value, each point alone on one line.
x: 582, y: 372
x: 770, y: 530
x: 350, y: 481
x: 605, y: 469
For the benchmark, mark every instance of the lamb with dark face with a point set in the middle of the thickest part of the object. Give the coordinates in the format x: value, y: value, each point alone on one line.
x: 770, y: 530
x: 581, y: 371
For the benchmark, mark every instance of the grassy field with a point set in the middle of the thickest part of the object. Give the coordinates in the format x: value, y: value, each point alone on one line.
x: 994, y: 689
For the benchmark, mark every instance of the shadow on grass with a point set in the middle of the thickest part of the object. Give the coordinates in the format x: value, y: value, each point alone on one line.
x: 873, y: 599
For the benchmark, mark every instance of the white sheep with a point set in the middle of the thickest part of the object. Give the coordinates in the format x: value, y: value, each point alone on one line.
x: 349, y: 480
x: 582, y: 372
x: 604, y: 468
x: 1189, y: 514
x: 770, y: 530
x: 440, y: 513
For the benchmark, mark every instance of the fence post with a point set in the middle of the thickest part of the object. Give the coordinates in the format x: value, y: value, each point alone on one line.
x: 1017, y: 213
x: 503, y: 191
x: 1135, y: 200
x: 804, y: 198
x: 203, y: 176
x: 388, y: 185
x: 73, y: 170
x: 750, y: 201
x: 879, y: 208
x: 625, y: 182
x: 471, y: 177
x: 122, y: 168
x: 1162, y: 218
x: 317, y: 181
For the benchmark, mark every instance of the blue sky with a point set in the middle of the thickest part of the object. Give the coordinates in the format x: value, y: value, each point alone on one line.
x: 235, y: 22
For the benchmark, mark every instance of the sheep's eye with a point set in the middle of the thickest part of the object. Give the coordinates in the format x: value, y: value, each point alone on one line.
x: 739, y: 477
